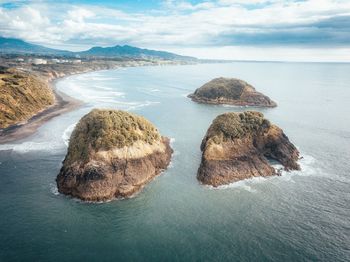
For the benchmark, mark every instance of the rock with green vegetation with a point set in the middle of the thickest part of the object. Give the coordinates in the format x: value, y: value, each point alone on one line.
x: 22, y: 95
x: 230, y: 91
x: 112, y: 154
x: 238, y: 146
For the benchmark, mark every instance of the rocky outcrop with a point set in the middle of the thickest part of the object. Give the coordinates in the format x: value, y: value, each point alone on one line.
x: 112, y: 154
x: 230, y: 91
x: 22, y: 95
x: 238, y: 146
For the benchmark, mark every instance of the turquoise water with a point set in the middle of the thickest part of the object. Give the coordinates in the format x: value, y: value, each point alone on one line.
x: 300, y: 216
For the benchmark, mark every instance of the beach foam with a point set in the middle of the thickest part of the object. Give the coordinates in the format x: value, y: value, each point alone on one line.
x: 30, y: 146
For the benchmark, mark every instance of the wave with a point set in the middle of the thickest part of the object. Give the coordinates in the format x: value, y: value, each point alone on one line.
x: 30, y: 146
x: 97, y: 78
x: 103, y: 87
x: 144, y: 104
x: 67, y: 133
x: 308, y: 168
x: 243, y: 184
x: 232, y: 106
x: 54, y: 189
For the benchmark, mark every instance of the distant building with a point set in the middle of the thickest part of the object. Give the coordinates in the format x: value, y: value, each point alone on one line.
x: 39, y: 61
x: 77, y: 61
x: 19, y: 60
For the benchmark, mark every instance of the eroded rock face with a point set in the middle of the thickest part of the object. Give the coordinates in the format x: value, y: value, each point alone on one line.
x: 230, y: 91
x: 237, y: 146
x: 112, y: 154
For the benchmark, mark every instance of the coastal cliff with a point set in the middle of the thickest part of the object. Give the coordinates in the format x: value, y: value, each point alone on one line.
x: 230, y: 91
x: 112, y: 154
x: 22, y: 95
x: 237, y: 146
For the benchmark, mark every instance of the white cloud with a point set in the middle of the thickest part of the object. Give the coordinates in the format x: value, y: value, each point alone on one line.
x: 178, y: 23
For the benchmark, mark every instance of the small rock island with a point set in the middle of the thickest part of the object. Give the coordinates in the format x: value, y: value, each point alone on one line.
x: 238, y: 146
x: 230, y: 91
x: 112, y: 154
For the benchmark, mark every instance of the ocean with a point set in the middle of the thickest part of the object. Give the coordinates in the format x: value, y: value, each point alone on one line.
x: 299, y: 216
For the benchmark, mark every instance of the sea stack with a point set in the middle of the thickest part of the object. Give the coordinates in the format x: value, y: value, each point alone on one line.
x: 230, y: 91
x: 112, y: 154
x: 237, y: 146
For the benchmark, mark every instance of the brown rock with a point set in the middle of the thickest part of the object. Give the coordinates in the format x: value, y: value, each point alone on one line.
x: 230, y: 91
x: 112, y: 154
x: 237, y: 146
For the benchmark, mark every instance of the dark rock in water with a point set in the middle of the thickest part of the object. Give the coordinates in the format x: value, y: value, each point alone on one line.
x: 237, y: 146
x: 112, y: 154
x: 230, y: 91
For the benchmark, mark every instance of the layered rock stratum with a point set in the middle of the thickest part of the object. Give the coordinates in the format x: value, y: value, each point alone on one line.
x: 22, y: 95
x: 112, y: 154
x: 238, y: 146
x: 230, y: 91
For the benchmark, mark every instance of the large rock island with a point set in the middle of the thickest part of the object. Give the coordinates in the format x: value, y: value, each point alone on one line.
x: 230, y: 91
x: 237, y: 146
x: 112, y: 154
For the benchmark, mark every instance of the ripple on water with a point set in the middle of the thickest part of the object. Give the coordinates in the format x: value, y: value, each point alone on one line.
x: 29, y: 146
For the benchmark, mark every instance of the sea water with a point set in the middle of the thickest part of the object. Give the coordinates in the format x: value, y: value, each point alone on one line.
x: 299, y: 216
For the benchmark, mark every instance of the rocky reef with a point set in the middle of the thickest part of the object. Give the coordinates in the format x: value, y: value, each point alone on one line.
x: 112, y: 154
x: 22, y: 95
x: 238, y: 146
x: 230, y: 91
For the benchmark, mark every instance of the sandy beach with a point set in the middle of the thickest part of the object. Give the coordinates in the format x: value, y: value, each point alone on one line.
x: 63, y: 104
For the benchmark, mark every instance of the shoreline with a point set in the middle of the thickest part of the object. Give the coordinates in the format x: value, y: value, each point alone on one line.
x: 63, y: 104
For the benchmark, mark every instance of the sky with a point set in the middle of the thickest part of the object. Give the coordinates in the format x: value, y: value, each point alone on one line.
x: 266, y: 30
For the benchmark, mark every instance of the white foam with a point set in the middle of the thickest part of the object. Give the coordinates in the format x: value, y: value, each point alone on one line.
x: 146, y: 103
x: 233, y: 106
x: 103, y: 87
x: 97, y: 78
x: 54, y: 189
x: 307, y: 165
x: 30, y: 146
x: 243, y: 184
x: 115, y: 93
x: 67, y: 133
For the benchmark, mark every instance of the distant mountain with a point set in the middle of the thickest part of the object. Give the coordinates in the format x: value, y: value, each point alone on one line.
x: 17, y: 46
x: 132, y: 52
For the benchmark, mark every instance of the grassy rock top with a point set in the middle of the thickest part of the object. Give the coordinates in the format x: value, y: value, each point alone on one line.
x: 230, y: 88
x: 232, y: 125
x: 107, y: 129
